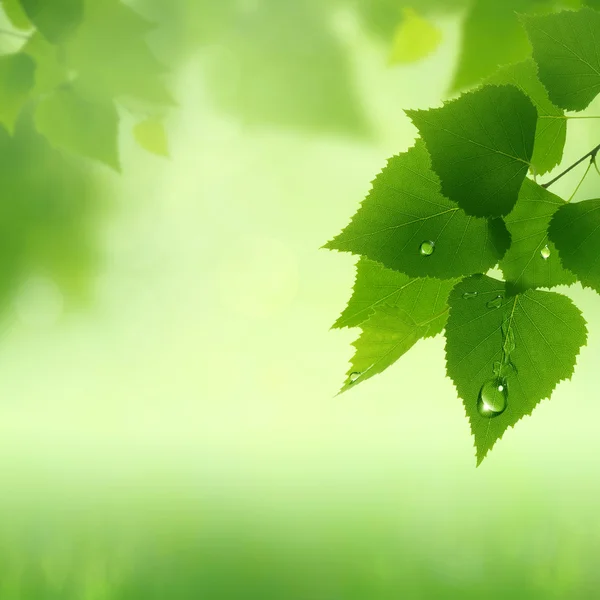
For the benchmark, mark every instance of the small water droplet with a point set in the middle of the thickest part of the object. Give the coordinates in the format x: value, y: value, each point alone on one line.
x: 469, y: 295
x: 427, y: 248
x: 545, y: 252
x: 493, y: 398
x: 496, y: 302
x: 354, y: 376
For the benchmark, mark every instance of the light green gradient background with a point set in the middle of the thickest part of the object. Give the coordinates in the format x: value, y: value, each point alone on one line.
x: 184, y: 429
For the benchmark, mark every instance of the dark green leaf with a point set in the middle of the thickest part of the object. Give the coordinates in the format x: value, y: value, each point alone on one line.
x: 548, y: 332
x: 565, y: 47
x: 574, y: 231
x: 551, y: 133
x: 532, y: 260
x: 481, y: 146
x: 424, y: 299
x: 56, y: 20
x: 405, y: 213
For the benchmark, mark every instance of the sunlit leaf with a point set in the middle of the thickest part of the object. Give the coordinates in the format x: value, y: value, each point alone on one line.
x: 532, y: 260
x: 424, y: 299
x: 415, y: 38
x: 388, y: 334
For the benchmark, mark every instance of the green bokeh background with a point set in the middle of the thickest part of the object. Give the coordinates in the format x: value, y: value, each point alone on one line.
x: 177, y: 436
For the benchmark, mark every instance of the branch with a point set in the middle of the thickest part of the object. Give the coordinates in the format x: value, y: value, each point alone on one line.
x: 591, y: 155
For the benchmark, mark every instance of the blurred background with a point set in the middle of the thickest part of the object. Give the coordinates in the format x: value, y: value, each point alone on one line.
x: 168, y: 421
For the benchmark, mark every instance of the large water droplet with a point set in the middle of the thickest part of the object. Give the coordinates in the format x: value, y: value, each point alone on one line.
x: 496, y: 302
x: 354, y: 376
x: 469, y: 295
x: 545, y: 252
x: 427, y: 248
x: 493, y: 398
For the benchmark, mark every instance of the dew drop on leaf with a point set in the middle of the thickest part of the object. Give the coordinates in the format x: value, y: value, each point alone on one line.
x: 427, y: 248
x: 545, y: 252
x: 469, y: 295
x: 354, y: 376
x: 496, y: 302
x: 493, y: 398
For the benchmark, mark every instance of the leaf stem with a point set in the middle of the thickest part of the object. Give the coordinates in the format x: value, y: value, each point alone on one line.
x: 14, y: 34
x: 592, y: 154
x: 567, y: 117
x: 592, y: 162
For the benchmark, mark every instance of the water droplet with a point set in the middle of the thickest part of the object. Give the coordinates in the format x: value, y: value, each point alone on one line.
x: 493, y: 398
x: 496, y: 302
x: 354, y: 376
x: 545, y: 252
x: 469, y: 295
x: 427, y: 248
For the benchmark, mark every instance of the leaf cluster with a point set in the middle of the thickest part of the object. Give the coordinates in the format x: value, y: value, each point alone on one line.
x: 465, y: 200
x: 80, y: 63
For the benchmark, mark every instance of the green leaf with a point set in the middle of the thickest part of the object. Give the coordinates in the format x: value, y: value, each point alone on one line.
x: 574, y: 231
x: 551, y: 133
x: 16, y: 15
x: 565, y: 47
x: 16, y: 82
x: 405, y: 212
x: 424, y: 299
x: 76, y: 124
x: 481, y: 146
x: 414, y: 39
x: 50, y: 70
x: 151, y: 135
x: 532, y: 260
x: 112, y: 57
x: 386, y: 336
x: 547, y: 331
x: 56, y: 20
x: 492, y: 36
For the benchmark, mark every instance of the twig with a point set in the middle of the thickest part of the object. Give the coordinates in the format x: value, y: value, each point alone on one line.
x: 591, y: 155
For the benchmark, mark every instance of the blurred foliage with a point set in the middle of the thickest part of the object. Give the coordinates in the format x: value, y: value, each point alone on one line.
x: 67, y: 67
x: 346, y: 561
x: 273, y: 62
x: 49, y: 206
